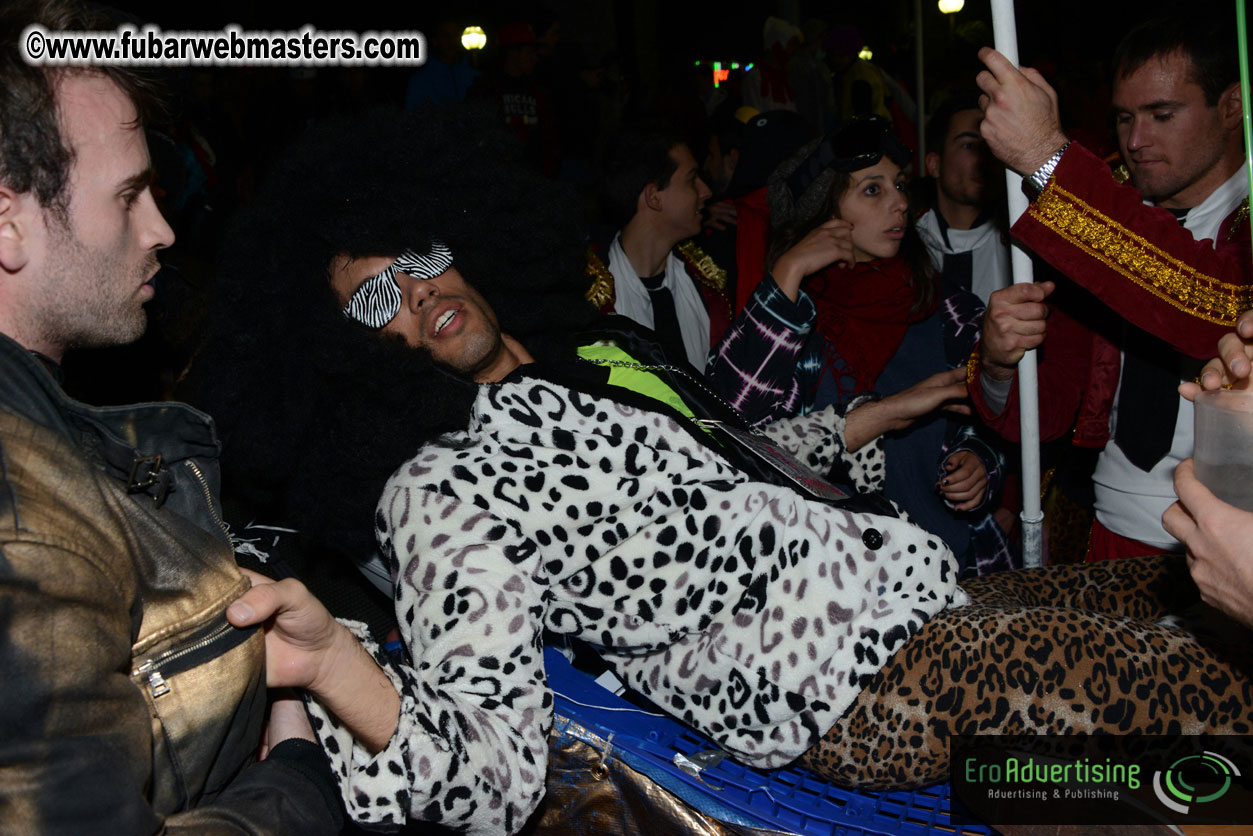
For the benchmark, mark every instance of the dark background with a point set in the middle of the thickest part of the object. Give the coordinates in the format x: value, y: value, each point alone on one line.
x: 236, y: 120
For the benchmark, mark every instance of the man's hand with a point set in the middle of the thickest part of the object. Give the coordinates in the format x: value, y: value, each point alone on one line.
x: 1020, y: 120
x: 965, y: 480
x: 1013, y: 324
x: 944, y: 390
x: 1220, y: 544
x: 1233, y: 364
x: 287, y: 721
x: 306, y: 648
x: 300, y: 634
x: 830, y: 243
x: 720, y: 214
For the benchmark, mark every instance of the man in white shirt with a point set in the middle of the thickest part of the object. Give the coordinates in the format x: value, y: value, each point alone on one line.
x: 963, y: 239
x: 650, y: 271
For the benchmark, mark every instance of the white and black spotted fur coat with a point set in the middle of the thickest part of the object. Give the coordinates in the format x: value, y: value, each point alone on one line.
x: 748, y: 612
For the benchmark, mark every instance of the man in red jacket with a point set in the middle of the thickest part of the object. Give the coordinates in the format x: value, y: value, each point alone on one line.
x: 1168, y: 262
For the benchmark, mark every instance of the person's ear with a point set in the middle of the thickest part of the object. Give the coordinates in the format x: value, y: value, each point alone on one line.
x: 1230, y: 108
x: 650, y: 198
x: 15, y: 229
x: 932, y: 163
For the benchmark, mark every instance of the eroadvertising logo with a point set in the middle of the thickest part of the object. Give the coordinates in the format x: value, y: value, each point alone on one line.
x: 1177, y: 786
x: 1102, y: 779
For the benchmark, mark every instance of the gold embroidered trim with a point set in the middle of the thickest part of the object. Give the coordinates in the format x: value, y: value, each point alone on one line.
x: 600, y: 291
x: 707, y: 270
x: 972, y: 366
x: 1146, y: 265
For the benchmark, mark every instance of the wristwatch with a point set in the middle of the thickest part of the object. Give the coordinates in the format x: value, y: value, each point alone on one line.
x: 1035, y: 182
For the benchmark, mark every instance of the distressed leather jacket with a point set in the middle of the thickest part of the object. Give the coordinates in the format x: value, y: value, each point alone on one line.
x: 128, y: 703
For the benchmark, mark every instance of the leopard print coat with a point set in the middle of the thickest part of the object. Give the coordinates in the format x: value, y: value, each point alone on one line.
x: 749, y: 613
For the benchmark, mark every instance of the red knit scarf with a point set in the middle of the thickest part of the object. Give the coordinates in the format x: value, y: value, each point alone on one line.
x: 863, y: 312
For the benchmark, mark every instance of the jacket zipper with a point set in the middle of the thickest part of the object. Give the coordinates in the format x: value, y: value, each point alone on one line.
x: 154, y: 671
x: 208, y: 498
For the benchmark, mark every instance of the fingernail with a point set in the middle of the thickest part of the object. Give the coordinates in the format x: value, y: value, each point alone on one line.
x: 945, y: 482
x: 239, y: 611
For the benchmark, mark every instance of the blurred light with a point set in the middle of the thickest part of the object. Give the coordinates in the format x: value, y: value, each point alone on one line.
x: 695, y: 63
x: 748, y: 68
x: 720, y: 75
x: 735, y: 65
x: 866, y: 54
x: 473, y: 37
x: 950, y: 6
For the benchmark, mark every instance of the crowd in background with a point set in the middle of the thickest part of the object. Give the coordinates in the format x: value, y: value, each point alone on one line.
x: 567, y: 100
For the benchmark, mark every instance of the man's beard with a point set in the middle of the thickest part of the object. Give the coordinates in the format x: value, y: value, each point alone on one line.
x: 90, y: 299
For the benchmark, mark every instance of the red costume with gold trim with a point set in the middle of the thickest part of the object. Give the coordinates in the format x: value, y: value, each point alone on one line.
x: 1144, y: 267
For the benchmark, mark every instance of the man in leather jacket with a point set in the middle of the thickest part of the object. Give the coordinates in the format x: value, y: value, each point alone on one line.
x: 129, y: 703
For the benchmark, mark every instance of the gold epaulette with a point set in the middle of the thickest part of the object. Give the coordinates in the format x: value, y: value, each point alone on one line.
x: 705, y: 268
x: 600, y: 290
x: 1145, y: 264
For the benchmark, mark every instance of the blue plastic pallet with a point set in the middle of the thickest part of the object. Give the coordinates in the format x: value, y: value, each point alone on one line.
x: 789, y: 799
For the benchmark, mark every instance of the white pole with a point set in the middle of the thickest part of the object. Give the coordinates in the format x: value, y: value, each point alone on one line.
x: 1005, y: 35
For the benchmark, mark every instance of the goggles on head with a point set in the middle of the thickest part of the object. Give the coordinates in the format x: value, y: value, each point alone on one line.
x: 858, y: 144
x: 377, y: 301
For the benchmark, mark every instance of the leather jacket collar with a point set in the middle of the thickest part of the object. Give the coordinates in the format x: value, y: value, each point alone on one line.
x: 168, y: 451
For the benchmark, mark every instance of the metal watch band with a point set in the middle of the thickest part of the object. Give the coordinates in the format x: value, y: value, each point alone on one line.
x: 1034, y: 183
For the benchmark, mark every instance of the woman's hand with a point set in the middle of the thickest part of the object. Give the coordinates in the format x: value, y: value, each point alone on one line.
x: 965, y: 480
x: 830, y: 243
x: 943, y: 390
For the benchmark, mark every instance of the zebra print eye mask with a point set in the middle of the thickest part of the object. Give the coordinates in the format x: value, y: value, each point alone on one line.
x: 377, y: 301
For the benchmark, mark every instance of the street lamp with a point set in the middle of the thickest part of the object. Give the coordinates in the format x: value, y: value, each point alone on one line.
x: 948, y: 7
x: 473, y: 37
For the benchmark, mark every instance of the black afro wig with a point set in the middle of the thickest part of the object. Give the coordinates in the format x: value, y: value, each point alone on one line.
x: 316, y: 411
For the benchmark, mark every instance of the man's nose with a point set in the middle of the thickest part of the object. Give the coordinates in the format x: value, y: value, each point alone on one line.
x: 417, y: 292
x: 155, y: 233
x: 702, y: 189
x: 1137, y: 134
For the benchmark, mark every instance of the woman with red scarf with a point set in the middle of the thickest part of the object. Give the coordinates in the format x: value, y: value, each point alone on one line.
x: 853, y: 308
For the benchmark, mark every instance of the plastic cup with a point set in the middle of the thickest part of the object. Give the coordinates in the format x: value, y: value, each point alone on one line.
x: 1224, y: 444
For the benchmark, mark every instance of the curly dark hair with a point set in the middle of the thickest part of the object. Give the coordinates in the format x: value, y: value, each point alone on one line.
x: 315, y: 410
